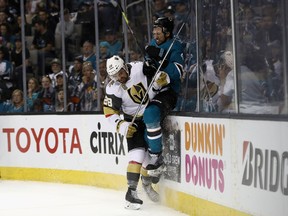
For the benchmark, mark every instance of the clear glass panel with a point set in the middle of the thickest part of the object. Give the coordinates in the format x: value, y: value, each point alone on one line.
x: 260, y: 50
x: 183, y: 13
x: 212, y: 80
x: 216, y: 57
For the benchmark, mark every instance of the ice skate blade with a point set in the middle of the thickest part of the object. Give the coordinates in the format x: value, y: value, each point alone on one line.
x: 132, y: 206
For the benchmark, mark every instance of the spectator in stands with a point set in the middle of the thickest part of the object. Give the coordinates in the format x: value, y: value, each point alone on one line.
x: 7, y: 18
x: 31, y: 9
x: 12, y: 7
x: 138, y: 46
x: 32, y: 93
x: 159, y: 7
x: 7, y: 39
x: 276, y: 75
x: 60, y: 98
x: 59, y: 84
x: 268, y: 32
x: 104, y: 80
x: 53, y: 6
x: 248, y: 26
x: 169, y: 11
x: 180, y: 16
x: 85, y: 17
x: 47, y: 95
x: 135, y: 55
x: 6, y: 52
x: 17, y: 102
x: 88, y: 53
x: 37, y: 105
x: 253, y: 79
x: 115, y: 44
x: 104, y: 47
x: 49, y: 20
x: 6, y: 71
x: 209, y: 86
x: 4, y: 103
x: 16, y: 59
x: 226, y: 90
x: 68, y: 34
x: 75, y: 73
x: 88, y: 89
x: 28, y: 26
x: 109, y: 16
x: 74, y: 80
x: 56, y: 69
x: 222, y: 34
x: 43, y: 42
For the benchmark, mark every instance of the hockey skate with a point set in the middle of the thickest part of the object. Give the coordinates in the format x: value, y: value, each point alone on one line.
x: 156, y: 167
x: 151, y: 193
x: 132, y: 200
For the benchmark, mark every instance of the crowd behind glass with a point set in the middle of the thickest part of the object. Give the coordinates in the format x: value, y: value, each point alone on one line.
x: 233, y: 58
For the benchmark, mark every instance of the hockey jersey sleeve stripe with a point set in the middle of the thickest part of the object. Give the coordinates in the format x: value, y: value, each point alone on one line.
x: 109, y: 111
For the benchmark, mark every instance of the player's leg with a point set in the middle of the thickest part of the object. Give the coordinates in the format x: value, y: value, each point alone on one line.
x: 137, y: 148
x: 133, y: 175
x: 147, y: 186
x: 152, y: 119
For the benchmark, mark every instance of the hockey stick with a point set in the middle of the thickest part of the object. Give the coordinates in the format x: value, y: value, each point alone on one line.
x: 116, y: 4
x: 157, y: 71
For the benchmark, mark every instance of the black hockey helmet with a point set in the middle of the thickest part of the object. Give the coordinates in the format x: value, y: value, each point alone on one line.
x: 166, y: 23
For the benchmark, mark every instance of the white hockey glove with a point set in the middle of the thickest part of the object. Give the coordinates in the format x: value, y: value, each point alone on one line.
x: 126, y: 128
x: 161, y: 80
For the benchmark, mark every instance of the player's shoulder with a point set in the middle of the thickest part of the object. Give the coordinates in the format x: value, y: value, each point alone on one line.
x: 112, y: 87
x: 136, y: 67
x: 136, y: 63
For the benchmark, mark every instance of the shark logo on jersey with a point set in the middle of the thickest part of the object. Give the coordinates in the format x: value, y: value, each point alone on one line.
x: 137, y: 92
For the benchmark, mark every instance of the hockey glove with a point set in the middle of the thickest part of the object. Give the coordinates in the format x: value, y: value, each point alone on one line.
x: 149, y: 68
x: 161, y: 80
x: 126, y: 128
x: 155, y: 52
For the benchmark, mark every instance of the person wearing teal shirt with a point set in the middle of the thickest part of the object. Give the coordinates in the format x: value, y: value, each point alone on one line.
x: 17, y: 100
x: 115, y: 44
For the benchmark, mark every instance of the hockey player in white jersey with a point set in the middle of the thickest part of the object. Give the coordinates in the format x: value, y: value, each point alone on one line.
x: 124, y: 95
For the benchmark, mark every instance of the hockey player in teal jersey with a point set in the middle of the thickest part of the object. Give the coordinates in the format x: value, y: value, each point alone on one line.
x: 160, y: 105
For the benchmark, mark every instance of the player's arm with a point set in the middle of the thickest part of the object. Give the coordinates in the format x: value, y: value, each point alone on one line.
x: 111, y: 108
x: 174, y: 67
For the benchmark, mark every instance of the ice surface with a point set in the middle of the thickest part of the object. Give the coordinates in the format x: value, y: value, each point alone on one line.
x: 29, y: 198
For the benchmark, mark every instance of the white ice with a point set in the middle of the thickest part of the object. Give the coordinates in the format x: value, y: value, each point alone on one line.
x: 29, y: 198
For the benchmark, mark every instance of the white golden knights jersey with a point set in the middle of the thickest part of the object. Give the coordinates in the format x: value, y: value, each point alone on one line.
x: 126, y: 97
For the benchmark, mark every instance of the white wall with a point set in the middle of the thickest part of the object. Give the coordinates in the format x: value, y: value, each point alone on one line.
x: 240, y: 164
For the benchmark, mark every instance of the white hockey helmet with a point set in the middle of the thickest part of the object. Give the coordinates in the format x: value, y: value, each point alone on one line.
x: 114, y: 65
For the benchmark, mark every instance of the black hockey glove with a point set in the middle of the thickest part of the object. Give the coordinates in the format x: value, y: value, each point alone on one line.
x: 155, y: 52
x: 149, y: 68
